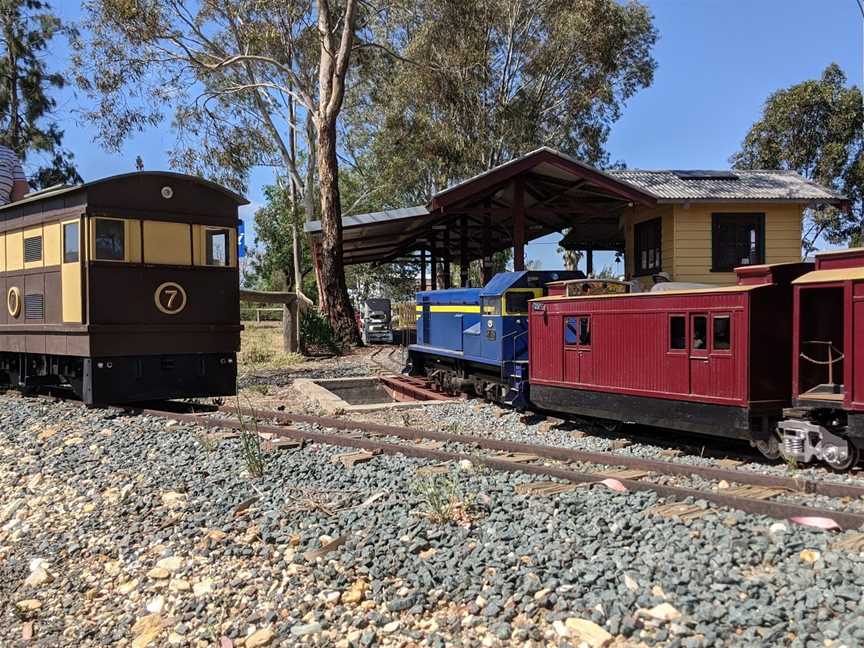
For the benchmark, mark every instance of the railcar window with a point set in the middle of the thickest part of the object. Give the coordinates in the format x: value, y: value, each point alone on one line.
x: 571, y: 330
x: 491, y: 305
x: 700, y: 332
x: 677, y: 332
x: 217, y: 247
x: 585, y: 331
x: 110, y: 240
x: 577, y: 330
x: 517, y: 302
x: 722, y: 332
x: 70, y: 243
x: 32, y: 249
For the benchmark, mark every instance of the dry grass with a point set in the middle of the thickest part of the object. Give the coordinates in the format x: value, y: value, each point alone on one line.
x: 261, y: 348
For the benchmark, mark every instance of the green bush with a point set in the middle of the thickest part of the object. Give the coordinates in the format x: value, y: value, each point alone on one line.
x: 316, y: 332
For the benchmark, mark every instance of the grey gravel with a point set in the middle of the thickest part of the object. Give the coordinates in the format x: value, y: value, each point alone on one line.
x: 102, y: 497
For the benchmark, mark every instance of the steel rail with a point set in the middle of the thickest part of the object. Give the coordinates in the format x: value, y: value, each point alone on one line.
x: 779, y: 510
x: 796, y: 485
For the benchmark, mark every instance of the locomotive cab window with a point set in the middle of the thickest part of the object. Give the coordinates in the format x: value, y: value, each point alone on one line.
x: 70, y: 243
x: 722, y: 332
x: 516, y: 303
x: 677, y: 332
x: 216, y: 245
x: 491, y: 305
x: 110, y: 239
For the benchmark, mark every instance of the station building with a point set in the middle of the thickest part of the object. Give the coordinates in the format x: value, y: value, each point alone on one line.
x: 684, y: 225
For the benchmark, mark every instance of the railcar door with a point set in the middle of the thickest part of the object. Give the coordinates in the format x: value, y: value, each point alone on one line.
x: 70, y: 272
x: 578, y: 362
x: 700, y: 371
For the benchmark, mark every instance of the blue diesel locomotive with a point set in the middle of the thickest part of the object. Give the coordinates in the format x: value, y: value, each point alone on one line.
x: 476, y: 339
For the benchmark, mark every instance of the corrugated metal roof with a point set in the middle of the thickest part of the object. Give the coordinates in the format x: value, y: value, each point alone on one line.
x: 373, y: 217
x: 718, y: 185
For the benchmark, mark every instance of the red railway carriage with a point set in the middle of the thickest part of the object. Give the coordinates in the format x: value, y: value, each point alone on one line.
x: 713, y: 360
x: 827, y: 420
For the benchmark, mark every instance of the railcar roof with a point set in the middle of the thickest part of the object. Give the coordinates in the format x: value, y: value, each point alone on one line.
x: 665, y: 293
x: 836, y: 274
x: 60, y: 190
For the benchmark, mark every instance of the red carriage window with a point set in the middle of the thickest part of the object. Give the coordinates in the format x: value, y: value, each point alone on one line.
x: 722, y: 333
x: 700, y: 332
x: 677, y: 332
x: 571, y: 330
x: 577, y: 330
x: 585, y: 331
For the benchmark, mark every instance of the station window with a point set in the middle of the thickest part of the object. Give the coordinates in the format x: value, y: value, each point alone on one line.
x: 647, y: 243
x: 216, y: 243
x: 32, y: 249
x: 110, y: 239
x: 737, y: 240
x: 577, y: 330
x: 677, y: 332
x: 700, y: 332
x: 517, y: 302
x: 722, y: 333
x: 70, y: 243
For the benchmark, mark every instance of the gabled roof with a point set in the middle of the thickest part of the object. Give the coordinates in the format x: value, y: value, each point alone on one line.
x: 551, y: 162
x: 61, y: 189
x: 673, y: 186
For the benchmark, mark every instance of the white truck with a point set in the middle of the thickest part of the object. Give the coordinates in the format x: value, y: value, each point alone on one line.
x: 377, y: 321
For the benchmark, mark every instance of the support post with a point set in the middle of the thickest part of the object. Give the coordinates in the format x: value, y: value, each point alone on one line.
x: 518, y: 224
x: 589, y: 261
x: 487, y: 229
x: 434, y: 267
x: 423, y: 269
x: 445, y: 254
x: 463, y: 252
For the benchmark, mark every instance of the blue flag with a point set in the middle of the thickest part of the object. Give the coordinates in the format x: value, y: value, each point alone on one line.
x: 241, y: 240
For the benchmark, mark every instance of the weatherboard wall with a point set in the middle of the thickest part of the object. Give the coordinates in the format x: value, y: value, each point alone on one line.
x: 692, y: 238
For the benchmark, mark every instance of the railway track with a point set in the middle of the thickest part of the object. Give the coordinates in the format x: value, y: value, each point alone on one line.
x: 528, y: 458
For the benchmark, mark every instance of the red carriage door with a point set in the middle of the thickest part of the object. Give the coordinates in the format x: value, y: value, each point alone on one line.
x: 578, y: 362
x: 700, y: 370
x: 721, y: 362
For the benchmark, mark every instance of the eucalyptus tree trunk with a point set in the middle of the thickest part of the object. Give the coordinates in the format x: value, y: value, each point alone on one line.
x: 336, y: 305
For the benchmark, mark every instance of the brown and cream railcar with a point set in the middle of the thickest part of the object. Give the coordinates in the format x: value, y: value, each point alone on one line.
x: 125, y: 288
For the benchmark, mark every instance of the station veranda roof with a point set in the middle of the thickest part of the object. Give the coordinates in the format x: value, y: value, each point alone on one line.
x: 540, y: 193
x: 543, y: 192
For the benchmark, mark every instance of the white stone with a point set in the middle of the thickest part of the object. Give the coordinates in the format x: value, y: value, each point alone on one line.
x: 156, y: 604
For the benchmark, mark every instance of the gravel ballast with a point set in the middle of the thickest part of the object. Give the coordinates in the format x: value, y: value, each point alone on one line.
x: 133, y: 531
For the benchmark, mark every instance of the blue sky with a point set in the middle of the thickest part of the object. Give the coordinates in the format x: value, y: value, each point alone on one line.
x: 718, y: 60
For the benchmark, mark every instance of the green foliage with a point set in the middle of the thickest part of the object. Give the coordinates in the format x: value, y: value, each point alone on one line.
x: 442, y: 499
x: 489, y: 80
x: 817, y: 129
x: 250, y: 445
x: 317, y: 333
x: 26, y: 107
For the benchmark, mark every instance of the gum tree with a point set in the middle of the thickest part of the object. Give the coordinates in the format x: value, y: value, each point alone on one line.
x: 817, y: 129
x: 239, y: 79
